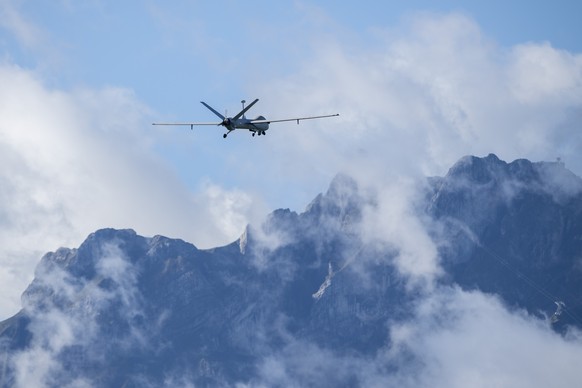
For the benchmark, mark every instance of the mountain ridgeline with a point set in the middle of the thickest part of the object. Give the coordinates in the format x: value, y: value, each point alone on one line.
x: 126, y: 310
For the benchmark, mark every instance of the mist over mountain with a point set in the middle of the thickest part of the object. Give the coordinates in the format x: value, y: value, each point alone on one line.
x: 459, y: 285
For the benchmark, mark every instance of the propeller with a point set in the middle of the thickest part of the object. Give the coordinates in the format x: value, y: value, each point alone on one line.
x: 226, y: 122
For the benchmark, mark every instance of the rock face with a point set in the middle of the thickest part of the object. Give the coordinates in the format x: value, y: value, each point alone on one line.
x: 514, y: 230
x: 126, y: 310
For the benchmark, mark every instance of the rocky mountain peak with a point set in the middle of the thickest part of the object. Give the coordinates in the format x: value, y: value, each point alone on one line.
x: 477, y: 170
x: 553, y: 177
x: 123, y: 309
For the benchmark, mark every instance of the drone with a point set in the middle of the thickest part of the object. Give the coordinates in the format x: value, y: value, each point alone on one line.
x: 258, y: 125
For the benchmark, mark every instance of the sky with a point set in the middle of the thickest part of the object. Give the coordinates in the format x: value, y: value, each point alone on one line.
x: 417, y: 84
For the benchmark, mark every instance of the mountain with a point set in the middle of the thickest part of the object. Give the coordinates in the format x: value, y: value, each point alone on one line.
x: 513, y: 229
x: 127, y: 310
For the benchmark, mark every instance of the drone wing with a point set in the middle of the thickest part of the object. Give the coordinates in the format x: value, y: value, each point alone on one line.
x: 188, y: 124
x: 265, y: 121
x: 193, y: 124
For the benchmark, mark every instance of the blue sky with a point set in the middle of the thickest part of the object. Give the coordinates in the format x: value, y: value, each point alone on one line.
x: 418, y: 84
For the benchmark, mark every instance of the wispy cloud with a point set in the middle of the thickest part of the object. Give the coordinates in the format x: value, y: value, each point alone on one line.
x: 393, y: 220
x: 65, y: 310
x: 27, y: 33
x: 454, y: 339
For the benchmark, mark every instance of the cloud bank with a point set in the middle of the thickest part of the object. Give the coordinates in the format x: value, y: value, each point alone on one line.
x: 416, y: 98
x: 76, y: 161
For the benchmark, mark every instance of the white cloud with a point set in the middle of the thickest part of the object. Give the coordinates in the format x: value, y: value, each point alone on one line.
x: 76, y: 161
x: 542, y: 75
x: 393, y: 220
x: 64, y: 311
x: 454, y: 339
x: 52, y: 329
x: 417, y: 98
x: 461, y: 339
x: 229, y: 209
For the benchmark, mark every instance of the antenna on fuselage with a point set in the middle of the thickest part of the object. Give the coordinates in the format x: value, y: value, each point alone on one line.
x: 243, y: 104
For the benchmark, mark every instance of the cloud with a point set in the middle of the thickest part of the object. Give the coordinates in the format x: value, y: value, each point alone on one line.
x: 12, y: 20
x: 463, y: 338
x: 454, y: 339
x: 66, y: 313
x: 77, y: 161
x: 230, y: 208
x: 543, y: 75
x: 416, y: 98
x: 392, y: 220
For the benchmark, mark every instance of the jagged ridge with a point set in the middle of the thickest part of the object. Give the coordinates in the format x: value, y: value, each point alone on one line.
x: 126, y: 309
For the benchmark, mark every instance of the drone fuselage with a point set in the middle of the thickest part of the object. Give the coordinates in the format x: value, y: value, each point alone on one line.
x: 244, y: 123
